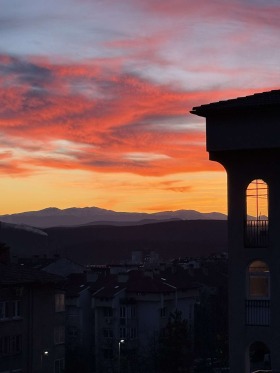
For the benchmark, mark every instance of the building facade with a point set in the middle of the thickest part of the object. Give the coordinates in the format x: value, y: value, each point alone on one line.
x: 129, y: 311
x: 32, y: 321
x: 243, y: 135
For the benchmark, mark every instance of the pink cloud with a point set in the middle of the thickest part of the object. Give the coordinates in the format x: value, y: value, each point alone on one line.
x: 112, y: 112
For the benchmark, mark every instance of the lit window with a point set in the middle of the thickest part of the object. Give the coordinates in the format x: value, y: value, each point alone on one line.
x: 257, y: 214
x: 259, y: 277
x: 257, y: 200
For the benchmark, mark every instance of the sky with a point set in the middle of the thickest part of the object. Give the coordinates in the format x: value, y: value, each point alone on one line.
x: 95, y: 98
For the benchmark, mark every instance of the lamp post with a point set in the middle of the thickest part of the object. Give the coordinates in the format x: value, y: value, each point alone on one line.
x: 43, y: 354
x: 120, y: 342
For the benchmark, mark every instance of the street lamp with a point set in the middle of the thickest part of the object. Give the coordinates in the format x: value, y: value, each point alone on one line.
x: 120, y: 341
x: 43, y: 354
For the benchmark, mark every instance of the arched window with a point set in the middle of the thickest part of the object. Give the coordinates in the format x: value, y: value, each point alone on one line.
x: 258, y: 280
x: 257, y: 200
x: 258, y: 294
x: 259, y: 355
x: 256, y: 234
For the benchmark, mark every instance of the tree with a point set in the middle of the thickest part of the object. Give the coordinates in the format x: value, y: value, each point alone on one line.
x: 175, y: 353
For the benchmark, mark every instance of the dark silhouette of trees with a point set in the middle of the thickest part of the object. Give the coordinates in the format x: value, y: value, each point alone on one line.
x: 175, y: 350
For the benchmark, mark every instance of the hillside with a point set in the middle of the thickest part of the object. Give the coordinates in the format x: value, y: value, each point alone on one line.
x: 99, y: 244
x: 103, y: 243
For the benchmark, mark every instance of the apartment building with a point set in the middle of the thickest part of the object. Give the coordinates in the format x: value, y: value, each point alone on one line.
x: 129, y: 311
x: 32, y: 321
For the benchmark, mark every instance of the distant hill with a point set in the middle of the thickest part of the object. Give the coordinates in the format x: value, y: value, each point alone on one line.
x: 99, y: 244
x: 24, y: 240
x: 53, y: 217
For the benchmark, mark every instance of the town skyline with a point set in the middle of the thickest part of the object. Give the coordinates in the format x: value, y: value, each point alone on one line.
x: 95, y: 99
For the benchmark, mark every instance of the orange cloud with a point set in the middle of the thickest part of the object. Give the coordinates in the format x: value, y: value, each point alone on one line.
x: 120, y: 122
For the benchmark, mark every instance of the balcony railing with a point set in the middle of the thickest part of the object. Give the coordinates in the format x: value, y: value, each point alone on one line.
x: 256, y: 233
x: 257, y: 312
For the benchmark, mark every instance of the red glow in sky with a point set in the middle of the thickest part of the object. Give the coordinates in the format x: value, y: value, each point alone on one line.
x: 95, y: 98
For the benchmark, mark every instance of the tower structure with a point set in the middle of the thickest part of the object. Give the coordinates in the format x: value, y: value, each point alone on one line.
x: 243, y: 135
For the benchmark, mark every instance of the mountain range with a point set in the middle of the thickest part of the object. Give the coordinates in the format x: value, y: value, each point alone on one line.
x: 54, y: 217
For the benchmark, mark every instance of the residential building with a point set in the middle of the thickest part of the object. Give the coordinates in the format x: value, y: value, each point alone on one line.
x: 130, y: 309
x: 243, y: 134
x: 79, y: 325
x: 32, y: 321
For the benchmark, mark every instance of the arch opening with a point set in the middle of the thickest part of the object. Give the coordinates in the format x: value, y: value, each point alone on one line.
x: 259, y: 279
x: 259, y: 355
x: 257, y: 214
x: 258, y: 294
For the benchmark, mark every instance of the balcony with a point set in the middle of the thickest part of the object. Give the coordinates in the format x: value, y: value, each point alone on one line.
x: 256, y: 233
x: 257, y: 312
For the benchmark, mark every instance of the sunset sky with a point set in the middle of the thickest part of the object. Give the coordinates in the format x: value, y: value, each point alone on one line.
x: 95, y: 98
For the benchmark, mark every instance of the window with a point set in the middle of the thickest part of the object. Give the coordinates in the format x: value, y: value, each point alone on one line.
x: 122, y: 333
x: 10, y: 345
x: 259, y: 276
x: 256, y: 234
x: 59, y: 302
x: 107, y: 333
x: 132, y: 333
x: 257, y: 200
x: 59, y: 366
x: 10, y: 309
x: 163, y: 312
x: 59, y: 334
x: 122, y: 312
x: 73, y: 331
x: 107, y: 311
x: 16, y: 308
x: 3, y: 310
x: 16, y: 344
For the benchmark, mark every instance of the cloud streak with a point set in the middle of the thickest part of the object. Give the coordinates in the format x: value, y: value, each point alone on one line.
x: 118, y: 122
x: 106, y: 87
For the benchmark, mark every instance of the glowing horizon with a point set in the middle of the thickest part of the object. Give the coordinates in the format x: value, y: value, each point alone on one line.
x: 95, y: 99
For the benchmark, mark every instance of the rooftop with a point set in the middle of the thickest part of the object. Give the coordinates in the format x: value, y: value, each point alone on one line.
x: 17, y: 274
x: 265, y: 99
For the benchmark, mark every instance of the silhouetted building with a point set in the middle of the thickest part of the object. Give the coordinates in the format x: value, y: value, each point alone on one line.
x: 32, y: 321
x: 243, y: 135
x: 129, y: 311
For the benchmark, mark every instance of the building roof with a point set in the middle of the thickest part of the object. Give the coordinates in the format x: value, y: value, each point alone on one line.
x: 139, y: 282
x: 265, y: 99
x: 75, y: 284
x: 20, y: 275
x: 107, y: 286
